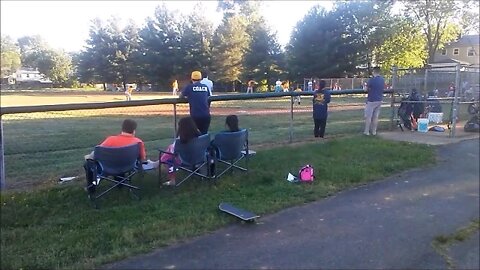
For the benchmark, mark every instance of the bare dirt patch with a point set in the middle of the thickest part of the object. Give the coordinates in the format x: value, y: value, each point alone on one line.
x: 52, y: 98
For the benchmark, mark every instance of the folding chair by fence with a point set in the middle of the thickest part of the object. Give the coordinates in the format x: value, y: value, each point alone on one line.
x: 231, y: 148
x: 115, y: 164
x: 193, y: 158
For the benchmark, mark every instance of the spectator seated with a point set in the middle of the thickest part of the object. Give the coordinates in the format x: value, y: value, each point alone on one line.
x: 231, y: 148
x: 192, y: 156
x: 117, y: 165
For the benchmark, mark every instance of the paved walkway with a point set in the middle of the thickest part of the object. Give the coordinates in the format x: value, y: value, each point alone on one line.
x: 383, y: 225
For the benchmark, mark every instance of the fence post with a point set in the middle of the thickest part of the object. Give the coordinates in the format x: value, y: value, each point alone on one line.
x: 353, y: 83
x: 174, y: 121
x: 425, y: 83
x: 2, y: 158
x: 455, y: 100
x: 291, y: 120
x: 392, y: 96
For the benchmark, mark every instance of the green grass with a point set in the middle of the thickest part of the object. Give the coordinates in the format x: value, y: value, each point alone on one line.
x: 41, y: 147
x: 57, y: 228
x: 442, y: 243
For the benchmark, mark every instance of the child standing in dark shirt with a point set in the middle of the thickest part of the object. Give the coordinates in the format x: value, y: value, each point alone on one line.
x: 321, y: 98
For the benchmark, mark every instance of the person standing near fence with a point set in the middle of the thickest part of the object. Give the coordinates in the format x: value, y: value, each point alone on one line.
x: 207, y: 82
x: 297, y: 98
x: 250, y: 86
x: 128, y: 93
x: 375, y: 88
x: 278, y: 86
x: 321, y: 98
x: 197, y: 95
x: 309, y: 86
x: 175, y: 87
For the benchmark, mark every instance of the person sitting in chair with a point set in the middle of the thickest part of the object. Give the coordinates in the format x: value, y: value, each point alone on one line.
x: 187, y: 130
x: 126, y: 137
x: 231, y: 123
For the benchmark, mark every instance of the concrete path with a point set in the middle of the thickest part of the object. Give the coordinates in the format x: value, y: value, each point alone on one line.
x: 389, y: 224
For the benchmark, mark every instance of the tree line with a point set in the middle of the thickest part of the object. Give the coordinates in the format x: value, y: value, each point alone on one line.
x: 345, y: 41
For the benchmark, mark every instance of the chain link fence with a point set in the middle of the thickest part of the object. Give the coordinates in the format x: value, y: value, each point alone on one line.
x: 453, y: 89
x: 440, y: 81
x: 43, y: 143
x: 42, y: 146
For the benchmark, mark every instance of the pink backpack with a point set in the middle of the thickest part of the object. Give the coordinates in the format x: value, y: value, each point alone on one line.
x: 306, y: 174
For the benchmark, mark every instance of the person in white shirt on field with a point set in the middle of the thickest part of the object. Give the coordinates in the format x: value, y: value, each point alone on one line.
x: 207, y: 82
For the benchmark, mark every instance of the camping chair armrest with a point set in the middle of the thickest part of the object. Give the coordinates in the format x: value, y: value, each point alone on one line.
x: 160, y: 154
x: 166, y: 152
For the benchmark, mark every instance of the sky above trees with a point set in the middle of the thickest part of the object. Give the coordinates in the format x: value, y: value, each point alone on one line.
x: 65, y: 24
x: 346, y: 40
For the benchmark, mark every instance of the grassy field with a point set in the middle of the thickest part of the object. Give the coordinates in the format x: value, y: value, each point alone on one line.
x: 42, y: 147
x: 57, y: 228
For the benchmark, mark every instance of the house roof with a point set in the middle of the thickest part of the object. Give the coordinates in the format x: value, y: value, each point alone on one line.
x: 467, y: 40
x: 27, y: 71
x: 449, y: 62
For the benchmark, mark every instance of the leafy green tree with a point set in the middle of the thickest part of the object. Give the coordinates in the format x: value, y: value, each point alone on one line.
x: 54, y: 64
x: 10, y: 56
x: 94, y: 62
x: 263, y: 56
x: 126, y: 43
x: 160, y: 40
x: 404, y: 48
x: 230, y: 42
x: 316, y: 46
x: 112, y: 53
x: 469, y: 20
x: 196, y: 37
x: 435, y: 17
x: 30, y: 50
x: 364, y: 25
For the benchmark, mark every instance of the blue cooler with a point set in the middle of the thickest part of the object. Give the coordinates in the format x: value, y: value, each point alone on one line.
x: 422, y: 125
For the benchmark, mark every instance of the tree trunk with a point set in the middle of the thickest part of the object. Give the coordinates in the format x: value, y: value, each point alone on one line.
x: 104, y: 87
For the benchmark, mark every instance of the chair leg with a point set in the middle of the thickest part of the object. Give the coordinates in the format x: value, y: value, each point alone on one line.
x: 160, y: 174
x: 133, y: 194
x: 93, y: 200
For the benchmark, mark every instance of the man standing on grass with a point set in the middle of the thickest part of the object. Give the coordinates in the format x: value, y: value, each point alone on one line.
x: 197, y: 94
x: 175, y: 87
x: 128, y: 93
x: 250, y: 85
x: 374, y: 102
x: 207, y: 82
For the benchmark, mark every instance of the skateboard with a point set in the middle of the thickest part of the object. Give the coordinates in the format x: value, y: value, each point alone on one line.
x: 238, y: 212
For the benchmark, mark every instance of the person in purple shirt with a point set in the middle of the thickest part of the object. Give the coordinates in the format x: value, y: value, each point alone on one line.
x: 321, y: 98
x: 197, y: 95
x: 374, y: 102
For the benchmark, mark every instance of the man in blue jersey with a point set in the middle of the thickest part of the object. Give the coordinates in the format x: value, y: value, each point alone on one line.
x: 197, y: 95
x: 375, y: 88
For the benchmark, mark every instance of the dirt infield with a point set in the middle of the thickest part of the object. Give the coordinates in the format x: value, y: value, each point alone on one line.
x: 51, y: 98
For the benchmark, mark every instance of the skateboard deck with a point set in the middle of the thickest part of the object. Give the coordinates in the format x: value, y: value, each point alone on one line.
x: 238, y: 212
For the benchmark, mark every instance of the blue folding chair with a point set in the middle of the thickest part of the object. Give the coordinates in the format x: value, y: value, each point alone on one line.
x: 117, y: 165
x: 231, y: 148
x: 193, y: 158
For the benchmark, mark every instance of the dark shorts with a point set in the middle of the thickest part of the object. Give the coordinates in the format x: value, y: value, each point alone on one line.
x: 203, y: 123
